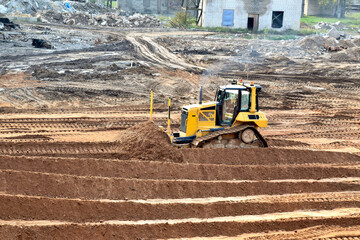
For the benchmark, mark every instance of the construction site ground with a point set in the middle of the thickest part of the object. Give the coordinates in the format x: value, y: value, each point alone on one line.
x: 76, y: 164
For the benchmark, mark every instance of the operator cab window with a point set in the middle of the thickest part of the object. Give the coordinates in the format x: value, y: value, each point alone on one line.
x: 219, y: 96
x: 245, y: 100
x: 230, y: 102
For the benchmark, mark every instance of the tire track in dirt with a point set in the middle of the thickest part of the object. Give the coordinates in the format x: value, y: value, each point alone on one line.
x: 156, y: 53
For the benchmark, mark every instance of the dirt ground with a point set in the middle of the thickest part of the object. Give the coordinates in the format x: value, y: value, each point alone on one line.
x: 80, y: 161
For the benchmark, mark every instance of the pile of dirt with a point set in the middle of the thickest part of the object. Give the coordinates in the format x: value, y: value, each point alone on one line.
x: 148, y: 142
x: 356, y: 41
x: 316, y: 43
x: 348, y: 55
x: 108, y: 19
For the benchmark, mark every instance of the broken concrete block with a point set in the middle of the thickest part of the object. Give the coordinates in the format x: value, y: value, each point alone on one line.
x: 335, y: 33
x: 39, y: 43
x: 3, y: 9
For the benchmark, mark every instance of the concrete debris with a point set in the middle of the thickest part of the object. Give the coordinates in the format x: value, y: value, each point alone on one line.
x: 323, y: 25
x: 32, y: 6
x: 6, y: 24
x: 107, y: 19
x: 39, y: 43
x: 336, y: 34
x: 3, y: 9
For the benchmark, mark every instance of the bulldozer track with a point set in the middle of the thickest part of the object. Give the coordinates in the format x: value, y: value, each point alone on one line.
x: 197, y: 142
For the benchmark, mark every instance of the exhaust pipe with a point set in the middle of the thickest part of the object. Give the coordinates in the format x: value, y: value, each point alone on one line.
x: 201, y: 94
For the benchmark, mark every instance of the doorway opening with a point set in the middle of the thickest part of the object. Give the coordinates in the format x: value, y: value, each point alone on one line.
x: 253, y: 22
x: 250, y: 25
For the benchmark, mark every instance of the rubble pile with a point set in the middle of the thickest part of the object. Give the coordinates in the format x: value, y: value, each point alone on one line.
x: 29, y: 6
x: 7, y: 25
x: 323, y: 25
x: 108, y: 19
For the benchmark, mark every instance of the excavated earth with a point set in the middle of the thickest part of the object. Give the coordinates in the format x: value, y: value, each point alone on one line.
x: 79, y: 158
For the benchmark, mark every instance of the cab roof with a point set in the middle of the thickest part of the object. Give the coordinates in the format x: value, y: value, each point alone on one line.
x: 239, y: 87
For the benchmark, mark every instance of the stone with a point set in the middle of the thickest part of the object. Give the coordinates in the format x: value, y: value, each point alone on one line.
x: 335, y: 33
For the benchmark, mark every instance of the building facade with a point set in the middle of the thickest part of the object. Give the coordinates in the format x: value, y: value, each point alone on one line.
x: 150, y: 6
x: 252, y: 14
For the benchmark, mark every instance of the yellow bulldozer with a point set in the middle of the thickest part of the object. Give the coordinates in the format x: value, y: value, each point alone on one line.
x: 232, y: 120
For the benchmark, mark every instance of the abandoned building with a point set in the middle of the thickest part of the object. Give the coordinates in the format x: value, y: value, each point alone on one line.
x: 151, y: 6
x: 253, y: 15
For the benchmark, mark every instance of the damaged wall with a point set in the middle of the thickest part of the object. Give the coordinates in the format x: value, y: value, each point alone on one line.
x: 151, y: 6
x: 243, y: 9
x: 256, y: 7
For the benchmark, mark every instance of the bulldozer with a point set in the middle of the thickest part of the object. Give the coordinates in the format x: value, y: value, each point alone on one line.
x: 232, y: 120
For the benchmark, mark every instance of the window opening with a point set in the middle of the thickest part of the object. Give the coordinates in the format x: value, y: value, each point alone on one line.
x: 228, y: 18
x: 245, y: 100
x: 277, y: 19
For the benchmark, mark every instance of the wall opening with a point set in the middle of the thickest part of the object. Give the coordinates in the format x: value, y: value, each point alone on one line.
x: 228, y: 18
x: 277, y: 19
x: 250, y: 25
x: 253, y: 22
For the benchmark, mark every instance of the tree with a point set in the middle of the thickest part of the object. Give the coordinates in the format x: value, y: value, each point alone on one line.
x: 338, y: 6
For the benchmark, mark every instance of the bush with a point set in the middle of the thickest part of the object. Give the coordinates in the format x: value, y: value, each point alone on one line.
x: 182, y: 20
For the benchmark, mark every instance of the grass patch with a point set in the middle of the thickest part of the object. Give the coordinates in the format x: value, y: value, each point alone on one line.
x: 222, y: 29
x: 351, y: 20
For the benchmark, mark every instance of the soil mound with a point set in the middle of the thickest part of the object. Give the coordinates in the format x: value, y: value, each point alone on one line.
x: 147, y: 141
x: 356, y: 41
x: 316, y: 43
x: 348, y: 55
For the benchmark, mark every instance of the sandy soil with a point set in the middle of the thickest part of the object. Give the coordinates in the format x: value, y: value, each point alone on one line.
x: 78, y: 159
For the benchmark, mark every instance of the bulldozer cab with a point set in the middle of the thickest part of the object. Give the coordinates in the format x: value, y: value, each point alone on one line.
x: 229, y: 102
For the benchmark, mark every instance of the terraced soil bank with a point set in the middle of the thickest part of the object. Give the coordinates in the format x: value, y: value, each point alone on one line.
x: 79, y: 158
